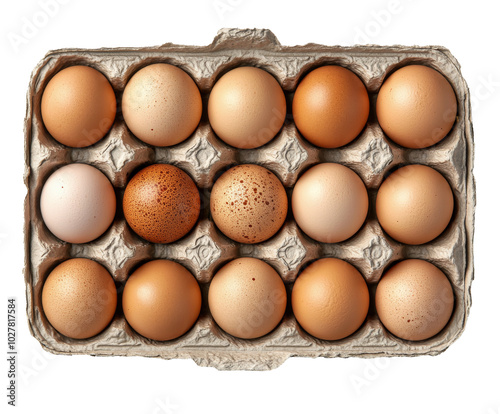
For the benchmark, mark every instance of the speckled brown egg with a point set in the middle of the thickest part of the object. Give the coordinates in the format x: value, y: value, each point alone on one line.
x: 414, y: 300
x: 416, y: 106
x: 330, y: 299
x: 414, y: 204
x: 79, y: 298
x: 248, y: 203
x: 247, y: 298
x: 78, y: 106
x: 161, y: 203
x: 161, y: 300
x: 330, y: 106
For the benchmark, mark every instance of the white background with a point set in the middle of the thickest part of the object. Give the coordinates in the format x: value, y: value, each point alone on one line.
x: 464, y: 379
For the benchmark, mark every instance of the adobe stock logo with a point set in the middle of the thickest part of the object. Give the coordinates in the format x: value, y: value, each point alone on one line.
x: 31, y: 26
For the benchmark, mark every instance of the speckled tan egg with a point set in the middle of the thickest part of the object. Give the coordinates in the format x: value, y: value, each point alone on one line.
x: 330, y: 202
x: 79, y: 298
x: 78, y: 106
x: 416, y: 106
x: 330, y: 106
x: 330, y: 299
x: 247, y: 298
x: 246, y: 107
x: 248, y: 203
x: 414, y: 300
x: 161, y: 300
x: 161, y: 203
x: 414, y: 204
x: 161, y: 105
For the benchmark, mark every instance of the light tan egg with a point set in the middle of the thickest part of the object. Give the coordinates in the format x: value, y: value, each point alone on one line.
x: 161, y: 300
x: 416, y: 106
x: 247, y: 298
x: 414, y: 204
x: 414, y: 300
x: 161, y: 105
x: 330, y: 202
x: 79, y: 298
x: 246, y: 107
x: 330, y: 299
x: 248, y: 203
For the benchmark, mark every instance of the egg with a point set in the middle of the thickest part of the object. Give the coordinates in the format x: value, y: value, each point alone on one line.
x: 161, y: 105
x: 330, y: 202
x: 247, y: 298
x: 248, y: 203
x: 414, y: 204
x: 416, y: 106
x: 78, y: 106
x: 330, y: 106
x: 246, y: 107
x: 161, y: 300
x: 79, y: 298
x: 414, y: 300
x: 161, y: 203
x: 330, y: 299
x: 77, y: 203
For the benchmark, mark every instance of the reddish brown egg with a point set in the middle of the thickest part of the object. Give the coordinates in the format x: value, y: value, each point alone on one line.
x: 248, y: 203
x: 161, y: 203
x: 330, y: 106
x: 161, y: 300
x: 79, y: 298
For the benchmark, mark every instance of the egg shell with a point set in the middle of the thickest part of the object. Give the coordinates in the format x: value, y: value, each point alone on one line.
x: 416, y: 106
x: 330, y: 106
x: 414, y: 204
x: 161, y: 203
x: 248, y: 203
x: 247, y: 298
x: 161, y: 105
x: 78, y: 106
x: 330, y: 299
x: 78, y: 203
x: 161, y: 300
x: 414, y: 300
x: 246, y: 107
x: 330, y: 202
x: 79, y: 298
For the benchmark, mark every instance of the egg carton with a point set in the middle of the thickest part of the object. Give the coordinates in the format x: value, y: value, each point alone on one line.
x: 203, y: 156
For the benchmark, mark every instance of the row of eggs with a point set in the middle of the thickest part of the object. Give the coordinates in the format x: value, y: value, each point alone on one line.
x: 247, y: 298
x: 248, y: 203
x: 162, y: 106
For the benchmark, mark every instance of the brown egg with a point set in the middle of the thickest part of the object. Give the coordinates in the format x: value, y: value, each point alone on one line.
x: 414, y: 300
x: 79, y: 298
x: 414, y: 204
x: 161, y: 300
x: 330, y: 106
x: 161, y: 105
x: 161, y: 203
x: 416, y: 106
x: 246, y: 107
x: 330, y: 202
x: 330, y: 299
x: 248, y: 203
x: 247, y: 298
x: 78, y: 106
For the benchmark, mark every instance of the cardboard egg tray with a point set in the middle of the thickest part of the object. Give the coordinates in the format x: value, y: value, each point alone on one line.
x: 203, y: 156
